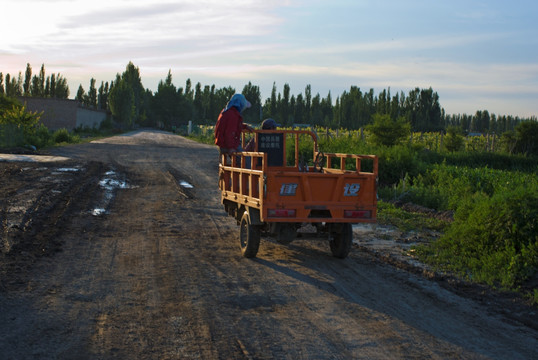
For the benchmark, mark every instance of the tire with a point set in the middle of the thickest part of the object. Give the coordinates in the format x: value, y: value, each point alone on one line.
x: 286, y: 233
x: 249, y: 237
x: 341, y: 242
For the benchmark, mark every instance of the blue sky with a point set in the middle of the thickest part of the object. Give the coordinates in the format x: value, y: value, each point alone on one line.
x: 477, y: 55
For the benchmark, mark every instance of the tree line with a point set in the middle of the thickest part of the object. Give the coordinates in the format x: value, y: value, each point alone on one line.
x: 39, y: 85
x: 130, y: 103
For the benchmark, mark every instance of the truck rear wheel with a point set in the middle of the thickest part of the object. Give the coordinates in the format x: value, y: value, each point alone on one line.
x: 249, y: 236
x: 341, y: 241
x: 286, y: 233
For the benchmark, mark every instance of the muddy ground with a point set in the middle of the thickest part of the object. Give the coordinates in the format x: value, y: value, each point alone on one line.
x: 119, y: 249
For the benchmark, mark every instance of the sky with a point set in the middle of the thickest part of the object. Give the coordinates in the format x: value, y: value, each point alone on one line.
x: 477, y: 55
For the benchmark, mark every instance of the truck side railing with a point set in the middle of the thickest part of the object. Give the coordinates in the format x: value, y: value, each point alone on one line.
x: 241, y: 183
x: 336, y: 162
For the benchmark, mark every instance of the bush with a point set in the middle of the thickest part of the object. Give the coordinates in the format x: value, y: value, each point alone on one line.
x: 63, y: 136
x: 453, y: 139
x: 60, y: 136
x: 42, y: 137
x: 11, y: 136
x: 396, y: 163
x: 527, y: 138
x: 447, y: 187
x: 19, y: 116
x: 388, y: 132
x: 492, y: 240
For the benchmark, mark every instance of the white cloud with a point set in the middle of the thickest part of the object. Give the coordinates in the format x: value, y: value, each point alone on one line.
x: 82, y: 24
x: 233, y: 42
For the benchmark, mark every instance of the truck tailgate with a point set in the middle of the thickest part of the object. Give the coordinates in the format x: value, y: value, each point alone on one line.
x: 333, y: 197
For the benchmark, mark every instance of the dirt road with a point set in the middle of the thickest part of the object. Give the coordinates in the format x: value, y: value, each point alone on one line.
x: 112, y: 255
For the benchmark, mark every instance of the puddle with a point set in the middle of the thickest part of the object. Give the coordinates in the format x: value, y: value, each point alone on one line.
x: 68, y: 169
x: 185, y: 184
x: 31, y: 158
x: 110, y: 184
x: 34, y: 169
x: 98, y: 211
x: 65, y: 170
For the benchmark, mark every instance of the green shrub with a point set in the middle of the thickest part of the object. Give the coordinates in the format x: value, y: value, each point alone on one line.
x: 397, y: 162
x: 527, y: 137
x: 453, y: 139
x: 446, y: 187
x: 489, y: 159
x: 42, y: 137
x: 11, y: 136
x: 492, y: 240
x: 417, y: 191
x: 20, y: 117
x: 387, y: 131
x: 61, y: 136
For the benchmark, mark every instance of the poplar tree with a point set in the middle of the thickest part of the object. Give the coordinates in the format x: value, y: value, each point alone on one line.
x: 61, y: 89
x: 27, y: 80
x: 188, y: 90
x: 284, y: 107
x: 47, y: 87
x: 34, y: 87
x: 165, y: 103
x: 308, y: 102
x: 252, y: 93
x: 92, y: 94
x: 273, y: 103
x: 102, y: 97
x: 52, y: 89
x: 41, y: 83
x: 122, y: 102
x: 131, y: 77
x: 197, y: 102
x: 81, y: 94
x: 299, y: 109
x: 8, y: 84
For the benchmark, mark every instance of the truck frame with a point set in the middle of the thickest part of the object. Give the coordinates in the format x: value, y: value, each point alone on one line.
x: 274, y: 191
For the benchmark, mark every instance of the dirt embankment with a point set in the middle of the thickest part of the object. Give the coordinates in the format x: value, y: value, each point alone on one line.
x: 124, y: 251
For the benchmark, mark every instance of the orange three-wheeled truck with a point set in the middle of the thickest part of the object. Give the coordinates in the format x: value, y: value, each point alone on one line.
x: 282, y: 185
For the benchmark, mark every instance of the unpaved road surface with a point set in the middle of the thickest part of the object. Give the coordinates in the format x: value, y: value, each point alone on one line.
x: 107, y: 255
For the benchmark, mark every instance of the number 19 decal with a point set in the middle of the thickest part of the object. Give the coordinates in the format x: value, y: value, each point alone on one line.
x: 352, y: 189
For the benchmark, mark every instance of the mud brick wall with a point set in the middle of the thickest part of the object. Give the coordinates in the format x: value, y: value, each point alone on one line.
x: 61, y: 113
x: 89, y: 118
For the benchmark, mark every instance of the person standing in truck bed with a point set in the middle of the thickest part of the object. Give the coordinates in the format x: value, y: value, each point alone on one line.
x: 230, y: 125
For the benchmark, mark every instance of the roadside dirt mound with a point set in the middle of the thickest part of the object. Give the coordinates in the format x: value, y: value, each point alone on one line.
x: 447, y: 216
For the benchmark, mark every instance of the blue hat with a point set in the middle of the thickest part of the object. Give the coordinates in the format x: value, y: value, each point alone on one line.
x: 269, y: 124
x: 239, y: 101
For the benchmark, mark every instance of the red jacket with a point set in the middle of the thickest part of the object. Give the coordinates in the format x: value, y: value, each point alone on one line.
x: 228, y: 129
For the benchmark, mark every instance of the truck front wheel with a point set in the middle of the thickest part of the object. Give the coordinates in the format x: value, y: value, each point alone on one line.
x: 341, y: 241
x: 249, y: 236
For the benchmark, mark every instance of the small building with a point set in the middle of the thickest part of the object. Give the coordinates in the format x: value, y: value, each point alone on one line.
x: 64, y: 113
